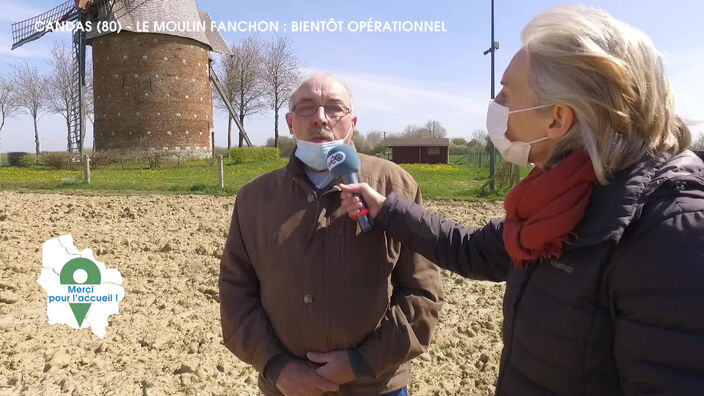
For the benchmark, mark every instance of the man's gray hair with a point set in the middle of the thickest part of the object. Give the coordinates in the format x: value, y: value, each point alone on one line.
x: 292, y: 98
x: 613, y: 78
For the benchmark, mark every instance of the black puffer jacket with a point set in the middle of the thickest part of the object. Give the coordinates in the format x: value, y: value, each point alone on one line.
x: 622, y: 311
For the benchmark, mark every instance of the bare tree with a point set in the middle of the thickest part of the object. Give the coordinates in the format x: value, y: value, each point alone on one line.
x: 281, y: 75
x: 435, y: 129
x: 374, y: 138
x: 431, y: 129
x: 60, y: 84
x: 242, y: 75
x: 413, y: 131
x: 8, y: 102
x: 31, y: 88
x: 479, y: 136
x: 361, y: 143
x: 698, y: 144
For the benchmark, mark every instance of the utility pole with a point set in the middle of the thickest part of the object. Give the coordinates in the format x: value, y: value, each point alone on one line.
x: 385, y: 150
x: 492, y: 150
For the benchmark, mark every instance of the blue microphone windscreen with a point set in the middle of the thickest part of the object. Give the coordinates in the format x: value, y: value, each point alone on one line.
x: 343, y: 159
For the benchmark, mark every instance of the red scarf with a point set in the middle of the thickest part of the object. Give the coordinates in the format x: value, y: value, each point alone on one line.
x: 544, y: 208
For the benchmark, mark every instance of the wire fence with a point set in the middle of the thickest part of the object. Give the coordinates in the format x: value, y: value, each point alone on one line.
x: 479, y: 159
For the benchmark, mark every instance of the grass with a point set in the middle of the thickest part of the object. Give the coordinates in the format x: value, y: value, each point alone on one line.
x: 193, y: 177
x: 457, y: 181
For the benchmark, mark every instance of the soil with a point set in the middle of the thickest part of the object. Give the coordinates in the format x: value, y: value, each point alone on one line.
x: 167, y: 337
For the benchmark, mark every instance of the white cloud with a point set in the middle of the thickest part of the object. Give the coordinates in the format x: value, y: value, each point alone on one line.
x: 15, y: 11
x: 26, y: 51
x: 390, y: 103
x: 686, y: 72
x: 682, y: 57
x: 387, y: 103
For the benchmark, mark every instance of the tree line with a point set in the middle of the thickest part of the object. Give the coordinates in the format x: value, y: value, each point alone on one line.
x: 258, y: 76
x: 26, y: 91
x: 372, y: 143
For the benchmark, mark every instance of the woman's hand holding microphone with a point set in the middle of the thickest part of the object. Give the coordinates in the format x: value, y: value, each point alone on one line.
x: 352, y: 204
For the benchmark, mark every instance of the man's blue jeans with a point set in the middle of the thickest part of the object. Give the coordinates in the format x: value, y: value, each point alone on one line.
x: 401, y: 392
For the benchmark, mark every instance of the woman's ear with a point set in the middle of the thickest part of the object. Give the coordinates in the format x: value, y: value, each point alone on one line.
x: 562, y: 121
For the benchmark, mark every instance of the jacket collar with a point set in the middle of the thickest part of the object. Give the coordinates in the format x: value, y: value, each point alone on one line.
x: 614, y: 206
x: 296, y: 169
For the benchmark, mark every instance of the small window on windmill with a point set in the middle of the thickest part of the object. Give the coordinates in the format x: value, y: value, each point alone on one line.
x: 433, y: 150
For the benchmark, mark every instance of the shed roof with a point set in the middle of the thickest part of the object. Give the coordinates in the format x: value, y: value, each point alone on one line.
x: 416, y: 142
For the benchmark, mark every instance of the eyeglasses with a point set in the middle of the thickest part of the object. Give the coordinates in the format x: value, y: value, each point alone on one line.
x: 333, y: 111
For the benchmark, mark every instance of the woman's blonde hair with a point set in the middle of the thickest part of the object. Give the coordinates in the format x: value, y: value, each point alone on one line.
x: 612, y: 76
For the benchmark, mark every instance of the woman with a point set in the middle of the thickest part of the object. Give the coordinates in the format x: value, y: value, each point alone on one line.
x: 602, y: 247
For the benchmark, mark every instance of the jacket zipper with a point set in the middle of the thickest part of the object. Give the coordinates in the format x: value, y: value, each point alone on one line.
x: 516, y: 304
x: 310, y: 233
x: 328, y: 329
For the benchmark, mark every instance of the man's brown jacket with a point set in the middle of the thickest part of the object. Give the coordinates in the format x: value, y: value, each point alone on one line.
x: 297, y: 275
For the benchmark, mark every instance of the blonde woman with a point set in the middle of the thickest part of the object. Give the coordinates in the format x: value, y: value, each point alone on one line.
x: 602, y: 246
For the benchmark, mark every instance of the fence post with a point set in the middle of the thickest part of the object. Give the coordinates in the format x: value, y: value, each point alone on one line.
x: 221, y: 172
x: 86, y: 168
x: 212, y: 144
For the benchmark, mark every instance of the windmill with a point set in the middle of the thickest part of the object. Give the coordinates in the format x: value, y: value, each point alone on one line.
x: 71, y: 11
x: 127, y: 13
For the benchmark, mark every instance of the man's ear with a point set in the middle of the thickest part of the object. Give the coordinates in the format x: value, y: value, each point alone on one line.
x: 562, y: 121
x: 289, y: 122
x: 349, y: 138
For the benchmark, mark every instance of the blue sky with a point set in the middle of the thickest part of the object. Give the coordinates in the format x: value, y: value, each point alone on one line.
x: 398, y: 79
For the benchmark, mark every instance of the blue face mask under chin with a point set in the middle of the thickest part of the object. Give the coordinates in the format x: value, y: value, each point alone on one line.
x: 315, y: 154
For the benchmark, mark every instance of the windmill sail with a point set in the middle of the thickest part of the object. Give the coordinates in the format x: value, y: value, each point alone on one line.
x: 25, y: 31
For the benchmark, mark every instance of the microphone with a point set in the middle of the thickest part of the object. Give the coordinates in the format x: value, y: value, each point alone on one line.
x: 343, y: 161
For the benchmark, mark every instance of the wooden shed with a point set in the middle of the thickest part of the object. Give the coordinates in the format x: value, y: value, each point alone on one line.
x: 419, y: 150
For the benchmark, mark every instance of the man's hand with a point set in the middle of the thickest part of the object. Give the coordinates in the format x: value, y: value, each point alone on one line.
x: 336, y: 366
x: 298, y: 378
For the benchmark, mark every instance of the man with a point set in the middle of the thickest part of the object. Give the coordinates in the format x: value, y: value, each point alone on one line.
x: 314, y: 304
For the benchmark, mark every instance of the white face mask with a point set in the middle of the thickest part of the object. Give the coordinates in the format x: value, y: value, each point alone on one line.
x: 315, y: 154
x: 497, y: 125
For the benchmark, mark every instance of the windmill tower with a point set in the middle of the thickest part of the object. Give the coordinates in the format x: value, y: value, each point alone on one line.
x: 151, y: 85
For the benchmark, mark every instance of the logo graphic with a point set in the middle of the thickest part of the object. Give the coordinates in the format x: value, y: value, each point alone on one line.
x: 336, y: 159
x: 77, y: 268
x: 82, y: 292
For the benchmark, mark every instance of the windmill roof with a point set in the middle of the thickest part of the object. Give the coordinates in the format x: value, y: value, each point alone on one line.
x: 217, y: 41
x: 151, y: 14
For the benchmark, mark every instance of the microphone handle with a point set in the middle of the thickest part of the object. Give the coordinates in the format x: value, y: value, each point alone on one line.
x: 365, y: 221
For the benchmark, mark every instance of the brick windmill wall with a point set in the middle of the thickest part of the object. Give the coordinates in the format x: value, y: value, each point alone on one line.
x: 152, y: 90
